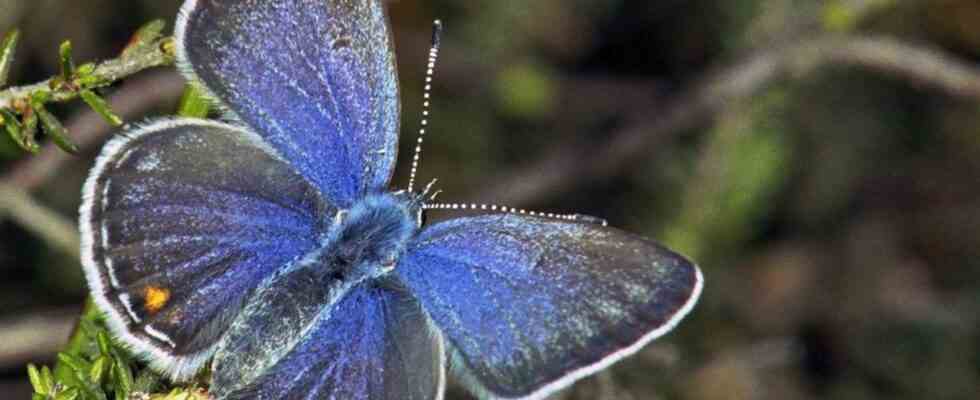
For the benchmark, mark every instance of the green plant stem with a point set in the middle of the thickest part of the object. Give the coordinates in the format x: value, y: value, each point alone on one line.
x: 159, y: 53
x: 193, y: 103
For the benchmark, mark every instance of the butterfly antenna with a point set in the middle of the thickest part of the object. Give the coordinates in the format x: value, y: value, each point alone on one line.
x: 429, y: 72
x: 512, y: 210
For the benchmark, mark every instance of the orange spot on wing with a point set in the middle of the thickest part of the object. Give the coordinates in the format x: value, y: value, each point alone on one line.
x: 154, y: 298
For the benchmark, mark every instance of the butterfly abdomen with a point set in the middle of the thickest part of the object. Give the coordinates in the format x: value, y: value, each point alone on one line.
x: 373, y: 233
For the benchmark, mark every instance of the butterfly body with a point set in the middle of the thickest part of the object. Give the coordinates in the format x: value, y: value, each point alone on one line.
x: 372, y: 236
x: 270, y: 245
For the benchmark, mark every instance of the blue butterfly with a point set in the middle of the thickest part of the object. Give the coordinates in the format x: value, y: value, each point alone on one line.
x: 271, y: 245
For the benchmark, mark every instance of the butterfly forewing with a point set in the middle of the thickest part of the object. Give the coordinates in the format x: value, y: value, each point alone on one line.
x: 316, y: 78
x: 530, y: 305
x: 180, y: 220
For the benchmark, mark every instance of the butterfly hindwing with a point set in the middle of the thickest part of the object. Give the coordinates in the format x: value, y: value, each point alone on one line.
x: 180, y: 220
x: 315, y: 78
x: 529, y: 305
x: 306, y: 335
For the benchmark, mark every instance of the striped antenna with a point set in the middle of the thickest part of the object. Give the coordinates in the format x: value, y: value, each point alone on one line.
x: 512, y: 210
x: 417, y: 158
x: 430, y: 70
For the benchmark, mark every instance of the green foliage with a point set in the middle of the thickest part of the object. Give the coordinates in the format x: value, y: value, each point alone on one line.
x: 92, y: 367
x: 21, y: 108
x: 7, y: 47
x: 20, y: 133
x: 145, y: 38
x: 100, y: 106
x: 53, y: 127
x: 193, y: 103
x: 67, y: 61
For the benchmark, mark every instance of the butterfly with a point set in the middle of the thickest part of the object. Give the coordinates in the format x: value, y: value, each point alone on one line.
x: 269, y: 244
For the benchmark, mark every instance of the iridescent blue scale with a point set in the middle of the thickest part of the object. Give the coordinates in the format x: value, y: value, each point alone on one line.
x: 270, y: 244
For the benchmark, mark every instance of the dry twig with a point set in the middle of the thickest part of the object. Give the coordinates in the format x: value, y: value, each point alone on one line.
x: 643, y: 133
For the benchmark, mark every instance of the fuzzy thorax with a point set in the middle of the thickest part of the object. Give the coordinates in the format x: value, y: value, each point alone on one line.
x: 374, y: 232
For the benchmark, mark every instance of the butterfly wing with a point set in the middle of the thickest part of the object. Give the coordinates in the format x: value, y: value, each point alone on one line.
x: 530, y: 305
x: 316, y: 78
x: 180, y: 220
x: 306, y: 335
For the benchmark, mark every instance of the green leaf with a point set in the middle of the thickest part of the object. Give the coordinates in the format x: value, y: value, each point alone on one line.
x: 40, y: 96
x: 145, y: 36
x: 47, y: 378
x: 55, y: 130
x: 78, y: 376
x: 105, y: 344
x: 80, y: 341
x: 75, y: 363
x: 123, y: 378
x: 85, y: 77
x: 17, y: 132
x: 193, y: 103
x: 101, y: 106
x: 69, y: 394
x: 99, y: 368
x: 8, y: 118
x: 85, y: 69
x: 169, y: 47
x: 178, y: 394
x: 89, y: 390
x: 122, y: 373
x: 36, y: 380
x: 7, y: 47
x: 152, y: 30
x: 67, y: 62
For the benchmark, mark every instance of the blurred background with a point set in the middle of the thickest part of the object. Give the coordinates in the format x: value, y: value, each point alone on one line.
x: 819, y: 159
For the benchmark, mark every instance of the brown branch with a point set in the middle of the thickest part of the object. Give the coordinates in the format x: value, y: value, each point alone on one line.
x: 928, y: 67
x: 644, y: 133
x: 54, y: 228
x: 35, y: 335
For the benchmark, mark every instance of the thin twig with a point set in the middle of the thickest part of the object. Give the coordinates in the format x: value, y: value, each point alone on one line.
x: 34, y: 335
x: 55, y: 229
x: 929, y: 67
x: 645, y: 132
x: 159, y: 53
